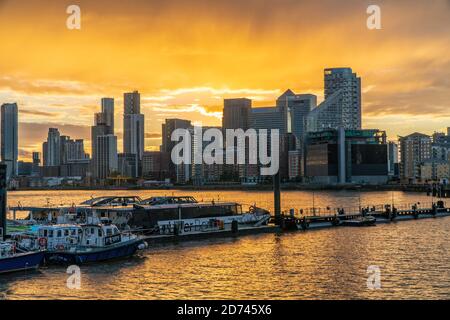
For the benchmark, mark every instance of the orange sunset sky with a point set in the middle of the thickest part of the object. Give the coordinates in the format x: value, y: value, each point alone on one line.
x: 185, y: 57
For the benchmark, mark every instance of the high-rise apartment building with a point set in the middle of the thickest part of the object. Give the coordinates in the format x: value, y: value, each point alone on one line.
x: 414, y: 149
x: 9, y: 138
x: 342, y: 104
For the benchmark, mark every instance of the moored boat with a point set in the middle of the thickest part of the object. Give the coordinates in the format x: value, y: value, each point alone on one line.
x: 87, y: 243
x: 13, y: 260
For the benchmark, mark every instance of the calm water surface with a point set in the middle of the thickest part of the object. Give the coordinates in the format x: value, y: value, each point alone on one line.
x: 413, y: 258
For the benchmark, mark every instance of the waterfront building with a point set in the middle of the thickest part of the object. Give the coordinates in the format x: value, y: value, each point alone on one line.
x: 9, y: 138
x: 347, y: 156
x: 71, y: 150
x: 342, y: 104
x: 155, y: 165
x: 127, y: 165
x: 170, y: 125
x: 295, y: 164
x: 414, y: 150
x: 236, y: 113
x: 51, y: 149
x: 434, y: 170
x: 133, y: 128
x: 108, y: 112
x: 299, y: 106
x: 106, y: 159
x: 36, y: 163
x: 24, y: 168
x: 393, y: 159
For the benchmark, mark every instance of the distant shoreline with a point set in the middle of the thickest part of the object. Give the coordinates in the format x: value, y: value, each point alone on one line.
x: 264, y: 187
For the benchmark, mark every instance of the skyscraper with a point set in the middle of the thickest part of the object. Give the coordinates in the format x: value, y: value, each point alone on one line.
x: 108, y: 111
x: 342, y: 104
x: 106, y: 155
x: 299, y: 106
x: 133, y: 127
x: 132, y: 103
x: 51, y: 149
x: 236, y: 113
x: 168, y: 128
x: 9, y: 137
x: 349, y: 85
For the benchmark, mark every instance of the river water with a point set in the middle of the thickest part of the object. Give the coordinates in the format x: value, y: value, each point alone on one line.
x: 411, y: 258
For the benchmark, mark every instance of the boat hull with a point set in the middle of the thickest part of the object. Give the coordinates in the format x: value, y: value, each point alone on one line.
x: 114, y: 252
x: 21, y: 262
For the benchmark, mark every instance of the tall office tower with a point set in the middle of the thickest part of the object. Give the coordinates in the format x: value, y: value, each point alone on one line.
x: 168, y: 128
x: 299, y: 106
x: 106, y: 155
x: 236, y: 113
x: 52, y: 148
x: 36, y: 163
x: 108, y: 111
x: 167, y: 145
x: 448, y: 131
x: 414, y: 149
x: 133, y: 127
x: 9, y: 137
x: 393, y: 158
x: 346, y: 82
x: 132, y: 103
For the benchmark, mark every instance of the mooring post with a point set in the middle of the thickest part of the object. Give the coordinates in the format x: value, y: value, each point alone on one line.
x: 276, y: 195
x: 2, y: 201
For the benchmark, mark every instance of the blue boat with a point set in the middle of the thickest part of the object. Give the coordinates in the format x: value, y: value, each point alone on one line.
x: 80, y: 244
x: 12, y: 261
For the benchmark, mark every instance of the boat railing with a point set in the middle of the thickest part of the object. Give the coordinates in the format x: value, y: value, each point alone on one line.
x: 330, y: 211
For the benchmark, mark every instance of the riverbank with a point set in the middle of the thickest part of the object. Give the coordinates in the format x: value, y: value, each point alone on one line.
x: 259, y: 187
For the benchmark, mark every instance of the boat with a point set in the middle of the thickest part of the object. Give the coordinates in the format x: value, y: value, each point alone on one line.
x: 185, y: 215
x: 13, y: 259
x: 86, y: 243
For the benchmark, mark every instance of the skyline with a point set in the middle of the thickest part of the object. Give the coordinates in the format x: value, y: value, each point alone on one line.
x: 187, y: 72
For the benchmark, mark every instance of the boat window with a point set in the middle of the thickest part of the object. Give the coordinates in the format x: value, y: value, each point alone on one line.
x: 99, y: 232
x: 92, y: 230
x: 59, y: 234
x: 66, y: 232
x: 73, y: 232
x: 108, y: 231
x: 50, y: 233
x: 45, y: 232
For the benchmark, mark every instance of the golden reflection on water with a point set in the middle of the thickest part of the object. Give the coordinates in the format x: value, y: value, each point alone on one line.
x: 321, y: 264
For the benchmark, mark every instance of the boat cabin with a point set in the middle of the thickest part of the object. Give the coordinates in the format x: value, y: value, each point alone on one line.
x: 168, y: 200
x: 65, y: 237
x: 111, y: 201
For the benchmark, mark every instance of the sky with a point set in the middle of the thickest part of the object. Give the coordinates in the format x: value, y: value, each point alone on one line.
x: 185, y: 57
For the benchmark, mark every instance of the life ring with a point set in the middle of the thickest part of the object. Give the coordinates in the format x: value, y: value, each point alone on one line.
x: 42, y: 242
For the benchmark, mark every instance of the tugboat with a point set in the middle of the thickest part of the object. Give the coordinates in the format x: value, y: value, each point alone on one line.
x: 12, y: 259
x: 87, y: 243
